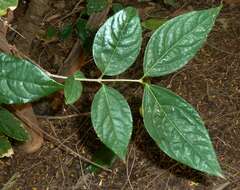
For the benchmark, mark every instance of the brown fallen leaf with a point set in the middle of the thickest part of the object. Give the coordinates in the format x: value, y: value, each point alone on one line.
x: 36, y: 138
x: 97, y: 19
x: 74, y: 61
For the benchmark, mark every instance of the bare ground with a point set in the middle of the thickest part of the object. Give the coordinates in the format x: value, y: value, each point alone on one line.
x: 210, y: 82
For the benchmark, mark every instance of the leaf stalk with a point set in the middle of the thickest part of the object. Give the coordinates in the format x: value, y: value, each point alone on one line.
x: 99, y: 80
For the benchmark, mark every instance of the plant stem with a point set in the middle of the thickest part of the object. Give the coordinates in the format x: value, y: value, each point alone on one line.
x: 99, y: 80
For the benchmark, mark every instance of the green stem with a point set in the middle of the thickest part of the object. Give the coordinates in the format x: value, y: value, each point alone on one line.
x: 99, y: 80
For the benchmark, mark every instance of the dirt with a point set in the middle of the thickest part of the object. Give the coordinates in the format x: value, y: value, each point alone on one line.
x: 210, y: 82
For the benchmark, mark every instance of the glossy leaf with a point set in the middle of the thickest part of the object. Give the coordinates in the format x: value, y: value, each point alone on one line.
x: 103, y: 157
x: 11, y: 126
x: 94, y: 6
x: 118, y: 42
x: 22, y: 81
x: 177, y: 41
x: 73, y: 88
x: 5, y: 147
x: 178, y: 129
x: 112, y: 120
x: 5, y: 4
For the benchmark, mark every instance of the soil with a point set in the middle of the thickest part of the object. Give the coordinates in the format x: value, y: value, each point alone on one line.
x: 210, y: 82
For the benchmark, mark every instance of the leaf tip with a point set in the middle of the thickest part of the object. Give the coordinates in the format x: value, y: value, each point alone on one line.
x: 219, y: 174
x: 121, y: 154
x: 220, y: 6
x: 216, y: 10
x: 123, y: 159
x: 131, y: 11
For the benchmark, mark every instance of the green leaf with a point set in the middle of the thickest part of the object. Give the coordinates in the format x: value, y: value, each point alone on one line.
x: 82, y: 29
x: 5, y: 147
x: 117, y: 7
x: 51, y: 32
x: 96, y: 6
x: 177, y: 41
x: 118, y: 42
x: 112, y: 120
x: 103, y: 157
x: 66, y: 32
x: 73, y: 88
x: 5, y: 4
x: 85, y: 34
x: 178, y: 129
x: 22, y: 82
x: 11, y: 126
x: 153, y: 23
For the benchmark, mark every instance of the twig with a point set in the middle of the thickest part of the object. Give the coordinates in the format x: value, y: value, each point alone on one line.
x: 57, y: 141
x: 221, y: 186
x: 9, y: 26
x: 222, y: 116
x: 11, y: 181
x: 161, y: 174
x: 62, y: 117
x: 83, y: 175
x: 62, y: 171
x: 131, y: 168
x: 76, y: 9
x: 99, y: 80
x: 222, y: 50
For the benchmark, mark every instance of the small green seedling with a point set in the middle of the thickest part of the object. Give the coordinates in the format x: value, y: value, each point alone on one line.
x: 173, y: 123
